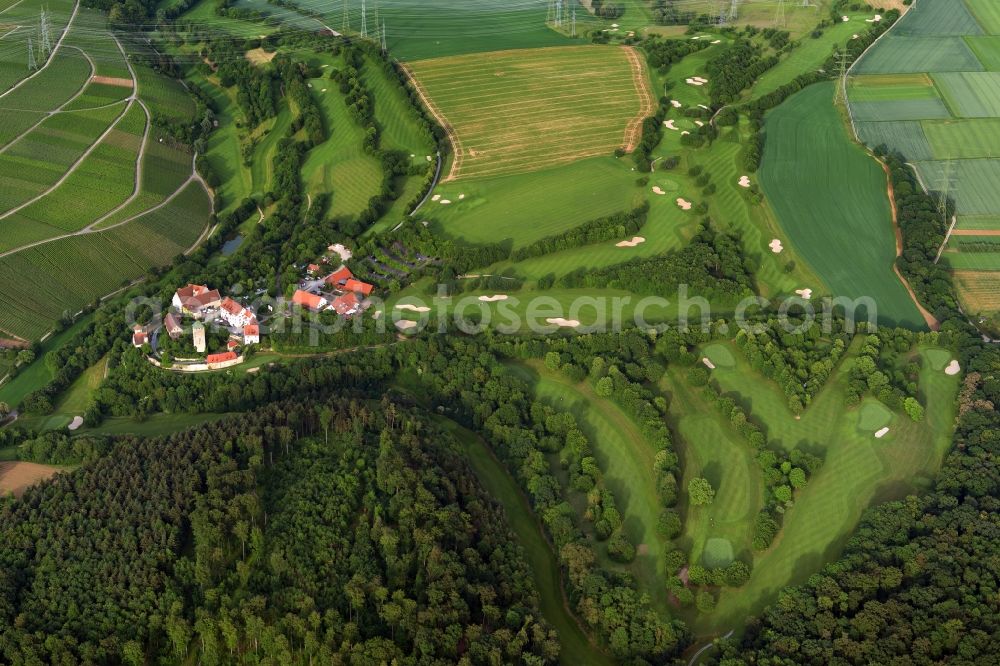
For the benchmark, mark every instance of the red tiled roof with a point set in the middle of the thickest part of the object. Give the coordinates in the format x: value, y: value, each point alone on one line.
x: 345, y: 304
x: 231, y: 306
x: 232, y: 344
x: 312, y: 268
x: 357, y: 285
x: 191, y: 290
x: 308, y: 300
x: 339, y: 276
x: 170, y: 321
x: 138, y: 338
x: 251, y: 329
x: 220, y: 358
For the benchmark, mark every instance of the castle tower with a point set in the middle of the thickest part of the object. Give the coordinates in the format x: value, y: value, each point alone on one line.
x: 198, y: 336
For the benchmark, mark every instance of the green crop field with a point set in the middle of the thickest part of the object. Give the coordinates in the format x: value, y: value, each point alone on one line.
x: 435, y: 28
x: 858, y: 470
x: 987, y: 49
x: 987, y: 13
x: 906, y: 137
x: 21, y: 17
x: 832, y: 202
x: 531, y: 109
x: 988, y: 222
x: 946, y: 18
x: 963, y: 139
x: 976, y: 192
x: 970, y: 94
x: 980, y: 291
x: 891, y: 87
x: 907, y: 55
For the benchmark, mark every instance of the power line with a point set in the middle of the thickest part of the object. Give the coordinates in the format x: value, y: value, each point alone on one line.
x: 364, y: 19
x: 779, y: 16
x: 32, y: 65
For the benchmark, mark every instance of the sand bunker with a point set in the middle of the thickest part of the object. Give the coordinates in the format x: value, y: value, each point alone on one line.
x: 693, y: 82
x: 953, y: 368
x: 685, y: 132
x: 702, y: 106
x: 636, y: 240
x: 855, y: 36
x: 699, y: 79
x: 436, y: 197
x: 804, y: 293
x: 699, y: 123
x: 559, y: 321
x: 717, y: 41
x: 496, y: 297
x: 669, y: 124
x: 414, y: 308
x: 845, y: 19
x: 461, y: 196
x: 882, y: 433
x: 776, y: 246
x: 658, y: 190
x: 445, y: 202
x: 744, y: 181
x: 406, y: 324
x: 708, y: 363
x: 341, y: 251
x: 75, y: 423
x: 684, y: 204
x: 674, y: 103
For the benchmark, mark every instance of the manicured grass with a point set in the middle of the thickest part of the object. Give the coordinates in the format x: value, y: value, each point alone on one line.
x: 709, y: 448
x: 720, y: 355
x: 526, y: 207
x: 832, y: 201
x: 810, y: 54
x: 78, y: 396
x: 626, y: 460
x: 873, y: 415
x: 858, y: 470
x: 155, y: 425
x: 224, y: 153
x: 575, y: 648
x: 36, y: 375
x: 531, y: 109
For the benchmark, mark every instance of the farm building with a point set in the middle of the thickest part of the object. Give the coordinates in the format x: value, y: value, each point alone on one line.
x: 347, y: 304
x: 358, y: 287
x: 224, y: 360
x: 172, y: 326
x: 339, y: 277
x: 307, y: 300
x: 251, y: 334
x: 235, y: 314
x: 196, y: 299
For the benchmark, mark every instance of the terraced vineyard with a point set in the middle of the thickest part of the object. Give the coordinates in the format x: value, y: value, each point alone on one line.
x: 85, y: 179
x: 931, y: 91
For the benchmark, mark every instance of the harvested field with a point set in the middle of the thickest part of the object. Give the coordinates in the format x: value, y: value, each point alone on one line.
x: 112, y: 81
x: 520, y: 111
x: 17, y: 477
x: 980, y: 291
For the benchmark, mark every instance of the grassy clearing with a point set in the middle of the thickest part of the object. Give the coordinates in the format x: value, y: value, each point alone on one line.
x: 36, y: 375
x: 858, y: 471
x: 77, y: 398
x: 832, y: 202
x: 626, y: 461
x: 528, y: 110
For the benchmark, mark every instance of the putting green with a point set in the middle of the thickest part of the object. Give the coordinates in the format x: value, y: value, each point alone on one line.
x: 873, y: 415
x: 718, y: 553
x: 720, y: 356
x: 938, y: 358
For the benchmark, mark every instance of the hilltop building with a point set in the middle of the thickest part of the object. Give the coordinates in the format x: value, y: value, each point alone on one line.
x: 198, y: 337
